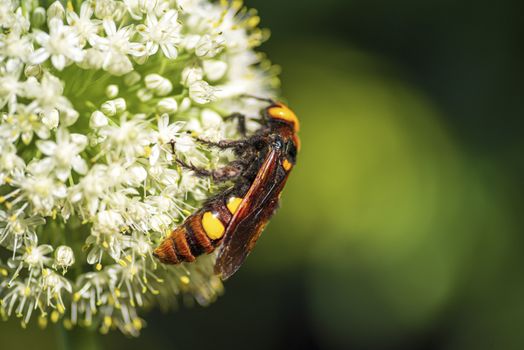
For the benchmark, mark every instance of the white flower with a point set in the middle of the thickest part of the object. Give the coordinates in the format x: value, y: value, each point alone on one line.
x: 116, y: 47
x: 100, y: 98
x: 166, y: 133
x: 85, y: 27
x: 163, y: 33
x: 15, y: 45
x: 35, y: 256
x: 128, y: 139
x: 42, y: 191
x: 10, y: 85
x: 61, y: 44
x: 138, y: 8
x: 9, y: 160
x: 17, y: 229
x: 209, y: 45
x: 7, y: 9
x: 109, y: 9
x: 201, y: 92
x: 25, y: 123
x: 108, y: 221
x: 64, y: 154
x: 47, y: 95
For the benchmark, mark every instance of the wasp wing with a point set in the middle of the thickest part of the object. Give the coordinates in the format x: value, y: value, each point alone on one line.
x: 252, y: 215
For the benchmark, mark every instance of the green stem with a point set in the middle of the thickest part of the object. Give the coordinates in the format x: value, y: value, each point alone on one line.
x: 77, y: 339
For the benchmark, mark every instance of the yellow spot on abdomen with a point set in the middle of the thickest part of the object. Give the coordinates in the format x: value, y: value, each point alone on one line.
x: 213, y: 227
x: 233, y: 203
x: 287, y: 165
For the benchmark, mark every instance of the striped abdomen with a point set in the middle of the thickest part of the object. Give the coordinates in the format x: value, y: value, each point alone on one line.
x: 200, y: 233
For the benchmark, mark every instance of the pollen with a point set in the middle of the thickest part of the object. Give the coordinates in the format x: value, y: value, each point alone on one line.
x: 233, y: 203
x: 213, y: 226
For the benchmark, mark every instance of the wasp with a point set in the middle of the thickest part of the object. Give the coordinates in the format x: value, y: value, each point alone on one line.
x: 233, y: 220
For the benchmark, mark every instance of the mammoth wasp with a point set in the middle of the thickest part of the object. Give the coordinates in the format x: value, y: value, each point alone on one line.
x: 233, y: 220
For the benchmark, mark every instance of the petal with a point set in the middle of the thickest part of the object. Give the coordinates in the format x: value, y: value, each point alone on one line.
x: 39, y: 56
x: 109, y: 27
x: 59, y: 61
x: 45, y: 249
x: 86, y: 10
x: 93, y: 255
x: 79, y: 140
x: 79, y: 165
x: 62, y: 136
x: 170, y: 51
x: 46, y: 147
x: 60, y: 191
x: 155, y: 154
x: 169, y: 17
x: 62, y: 174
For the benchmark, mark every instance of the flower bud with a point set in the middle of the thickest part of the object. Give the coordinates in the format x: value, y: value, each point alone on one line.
x: 98, y: 120
x: 33, y: 70
x: 191, y: 74
x: 144, y: 95
x: 214, y: 69
x: 120, y: 104
x: 160, y: 85
x: 38, y: 17
x: 132, y: 78
x: 69, y: 117
x: 64, y: 257
x: 168, y: 105
x: 211, y: 119
x: 185, y: 105
x: 112, y: 91
x: 109, y: 108
x: 56, y: 10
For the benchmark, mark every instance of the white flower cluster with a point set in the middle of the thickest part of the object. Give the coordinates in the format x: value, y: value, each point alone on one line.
x: 97, y: 98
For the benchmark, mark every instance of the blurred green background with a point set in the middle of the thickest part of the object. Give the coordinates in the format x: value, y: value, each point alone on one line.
x: 401, y: 226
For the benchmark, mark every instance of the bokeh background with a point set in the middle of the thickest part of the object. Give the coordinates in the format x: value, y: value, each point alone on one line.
x: 401, y: 227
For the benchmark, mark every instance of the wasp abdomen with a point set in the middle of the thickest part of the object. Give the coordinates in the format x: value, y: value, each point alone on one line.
x: 200, y: 233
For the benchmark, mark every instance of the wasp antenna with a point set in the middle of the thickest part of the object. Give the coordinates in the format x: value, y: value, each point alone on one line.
x: 269, y: 100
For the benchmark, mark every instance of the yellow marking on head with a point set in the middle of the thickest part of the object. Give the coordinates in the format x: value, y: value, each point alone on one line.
x: 213, y: 227
x: 233, y: 203
x: 287, y: 165
x: 282, y: 112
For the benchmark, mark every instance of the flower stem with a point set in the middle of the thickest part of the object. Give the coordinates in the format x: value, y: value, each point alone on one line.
x: 77, y: 339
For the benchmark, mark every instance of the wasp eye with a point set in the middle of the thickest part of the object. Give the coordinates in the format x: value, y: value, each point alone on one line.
x: 278, y: 143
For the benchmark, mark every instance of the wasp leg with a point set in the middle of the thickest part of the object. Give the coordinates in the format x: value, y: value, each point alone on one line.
x: 227, y: 173
x: 238, y: 144
x: 224, y: 144
x: 241, y: 120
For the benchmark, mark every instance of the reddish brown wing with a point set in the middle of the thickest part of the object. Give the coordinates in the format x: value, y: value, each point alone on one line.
x: 253, y: 214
